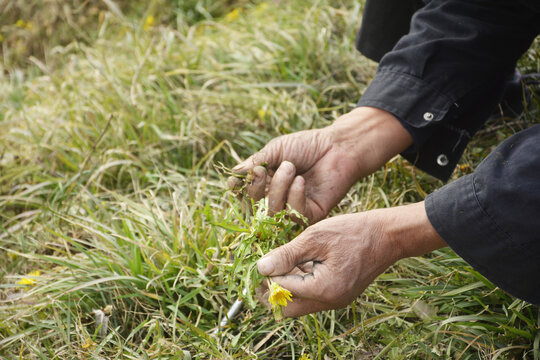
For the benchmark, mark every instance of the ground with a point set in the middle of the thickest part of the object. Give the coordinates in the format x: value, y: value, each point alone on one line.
x: 116, y: 118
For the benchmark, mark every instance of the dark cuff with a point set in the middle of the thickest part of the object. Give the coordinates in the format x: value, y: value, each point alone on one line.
x: 409, y: 98
x: 421, y: 110
x: 458, y: 216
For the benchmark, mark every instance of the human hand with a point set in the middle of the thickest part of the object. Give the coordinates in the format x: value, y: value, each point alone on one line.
x: 313, y: 170
x: 332, y: 262
x: 304, y: 169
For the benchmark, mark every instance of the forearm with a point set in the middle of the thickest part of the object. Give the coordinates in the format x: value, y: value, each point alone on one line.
x: 371, y: 137
x: 411, y: 232
x: 406, y: 231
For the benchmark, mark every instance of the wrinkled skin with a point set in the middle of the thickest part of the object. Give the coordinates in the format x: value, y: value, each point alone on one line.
x: 312, y: 170
x: 307, y: 170
x: 332, y: 262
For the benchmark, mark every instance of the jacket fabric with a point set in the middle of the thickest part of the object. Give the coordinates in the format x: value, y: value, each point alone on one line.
x: 442, y: 77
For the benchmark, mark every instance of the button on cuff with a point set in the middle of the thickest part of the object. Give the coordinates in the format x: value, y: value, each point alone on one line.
x: 442, y: 160
x: 406, y: 96
x: 428, y: 116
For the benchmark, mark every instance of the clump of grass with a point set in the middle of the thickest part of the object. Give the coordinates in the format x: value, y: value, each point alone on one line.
x: 250, y: 239
x: 108, y: 188
x: 30, y: 30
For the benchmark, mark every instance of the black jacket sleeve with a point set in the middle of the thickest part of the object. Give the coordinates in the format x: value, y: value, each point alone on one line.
x: 384, y: 22
x: 443, y: 78
x: 491, y: 218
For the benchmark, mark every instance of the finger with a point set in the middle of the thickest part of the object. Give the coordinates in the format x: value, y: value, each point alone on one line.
x: 259, y: 158
x: 284, y: 258
x: 314, y: 212
x: 302, y: 269
x: 235, y: 184
x: 309, y: 286
x: 244, y: 166
x: 297, y: 271
x: 279, y: 187
x: 296, y: 307
x: 307, y: 267
x: 299, y: 307
x: 296, y: 197
x: 255, y: 190
x: 301, y: 286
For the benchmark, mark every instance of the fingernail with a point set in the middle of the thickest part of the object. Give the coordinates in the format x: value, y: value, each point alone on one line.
x: 288, y: 165
x: 265, y: 266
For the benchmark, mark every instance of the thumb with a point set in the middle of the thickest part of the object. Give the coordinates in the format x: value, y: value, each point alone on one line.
x: 282, y: 260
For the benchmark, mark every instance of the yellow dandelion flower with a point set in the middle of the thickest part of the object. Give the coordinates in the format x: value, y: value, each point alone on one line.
x: 233, y: 15
x: 29, y: 25
x: 304, y: 357
x: 149, y: 22
x: 30, y: 278
x: 20, y: 23
x: 261, y: 113
x: 278, y: 296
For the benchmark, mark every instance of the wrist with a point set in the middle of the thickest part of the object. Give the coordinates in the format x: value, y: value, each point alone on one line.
x: 369, y: 137
x: 409, y: 231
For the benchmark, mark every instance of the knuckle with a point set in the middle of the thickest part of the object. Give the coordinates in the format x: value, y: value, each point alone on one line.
x: 259, y: 157
x: 316, y: 236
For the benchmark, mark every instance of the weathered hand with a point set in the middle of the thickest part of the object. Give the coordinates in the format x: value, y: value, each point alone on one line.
x: 305, y: 169
x: 313, y: 170
x: 332, y: 262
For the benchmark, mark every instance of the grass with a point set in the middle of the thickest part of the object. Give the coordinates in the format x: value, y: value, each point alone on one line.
x: 108, y: 187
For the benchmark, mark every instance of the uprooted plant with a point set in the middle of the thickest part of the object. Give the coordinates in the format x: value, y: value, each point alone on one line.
x: 255, y: 233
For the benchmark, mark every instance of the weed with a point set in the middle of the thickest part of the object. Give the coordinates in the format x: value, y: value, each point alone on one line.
x: 108, y: 189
